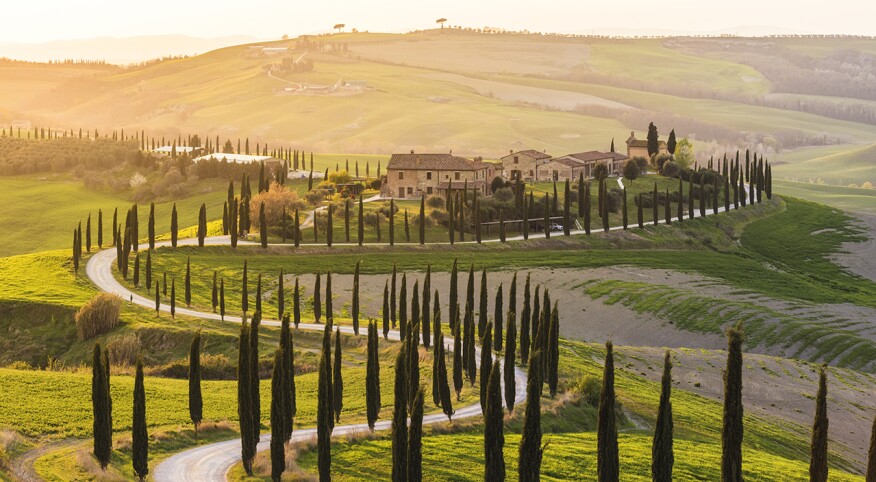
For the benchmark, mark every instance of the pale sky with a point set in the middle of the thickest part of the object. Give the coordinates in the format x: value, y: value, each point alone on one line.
x: 46, y: 20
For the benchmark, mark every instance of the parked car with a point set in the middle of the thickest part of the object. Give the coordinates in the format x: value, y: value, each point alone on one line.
x: 556, y: 227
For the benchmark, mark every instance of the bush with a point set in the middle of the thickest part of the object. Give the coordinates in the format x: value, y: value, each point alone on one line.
x: 642, y: 163
x: 439, y: 217
x: 375, y: 184
x: 339, y: 177
x: 20, y: 365
x: 600, y: 171
x: 213, y: 367
x: 588, y: 387
x: 275, y: 198
x: 631, y: 169
x: 497, y: 183
x: 435, y: 202
x: 98, y: 315
x: 614, y: 198
x: 314, y: 198
x: 671, y: 169
x: 124, y: 349
x: 660, y: 160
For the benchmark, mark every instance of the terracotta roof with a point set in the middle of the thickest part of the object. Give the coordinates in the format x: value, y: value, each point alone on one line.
x: 429, y: 162
x: 531, y: 153
x: 581, y: 158
x: 460, y: 184
x: 643, y: 143
x: 567, y: 161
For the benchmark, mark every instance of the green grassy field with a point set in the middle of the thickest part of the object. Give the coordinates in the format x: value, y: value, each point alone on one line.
x: 845, y: 198
x: 855, y: 165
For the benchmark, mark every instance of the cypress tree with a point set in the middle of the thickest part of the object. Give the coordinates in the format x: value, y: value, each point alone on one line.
x: 415, y: 440
x: 581, y: 194
x: 605, y: 207
x: 494, y: 436
x: 174, y: 226
x: 233, y: 229
x: 244, y: 399
x: 482, y: 305
x: 115, y: 225
x: 547, y: 217
x: 526, y: 207
x: 355, y: 305
x: 662, y: 457
x: 196, y: 403
x: 497, y: 320
x: 443, y: 385
x: 400, y: 419
x: 214, y: 298
x: 323, y: 419
x: 524, y: 323
x: 391, y: 221
x: 281, y: 296
x: 667, y: 212
x: 88, y: 234
x: 731, y: 435
x: 871, y: 455
x: 244, y: 290
x: 454, y: 295
x: 510, y: 354
x: 425, y: 318
x: 278, y: 419
x: 680, y: 199
x: 690, y: 199
x: 553, y: 362
x: 137, y: 270
x: 290, y: 405
x: 436, y: 319
x: 422, y: 222
x: 535, y: 326
x: 255, y: 393
x: 486, y: 363
x: 188, y: 282
x: 329, y: 315
x: 451, y: 217
x: 607, y: 465
x: 317, y: 298
x: 225, y: 221
x: 296, y: 304
x: 413, y: 359
x: 139, y: 435
x: 173, y: 298
x: 567, y: 211
x: 99, y: 396
x: 403, y: 306
x: 586, y: 209
x: 468, y: 347
x: 221, y: 298
x: 655, y: 204
x: 361, y: 222
x: 202, y: 225
x: 347, y: 221
x: 100, y: 229
x: 415, y: 315
x: 372, y: 377
x: 407, y: 228
x: 385, y: 310
x: 392, y: 300
x: 263, y: 226
x: 75, y: 251
x: 148, y: 269
x: 329, y: 227
x: 818, y: 459
x: 702, y: 198
x: 337, y: 381
x: 150, y: 227
x: 457, y: 357
x: 530, y: 452
x: 554, y: 206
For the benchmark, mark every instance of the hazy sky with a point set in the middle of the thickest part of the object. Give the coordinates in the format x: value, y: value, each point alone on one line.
x: 64, y: 19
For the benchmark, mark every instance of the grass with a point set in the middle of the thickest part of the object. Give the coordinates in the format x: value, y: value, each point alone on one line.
x: 62, y: 203
x: 841, y: 197
x: 849, y: 166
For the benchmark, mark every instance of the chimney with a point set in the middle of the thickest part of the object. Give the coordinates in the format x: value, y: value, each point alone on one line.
x: 412, y: 151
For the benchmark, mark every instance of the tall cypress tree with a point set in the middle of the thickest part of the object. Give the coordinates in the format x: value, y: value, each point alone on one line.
x: 392, y: 299
x: 244, y: 399
x: 188, y: 282
x: 99, y: 397
x: 337, y: 379
x: 150, y: 227
x: 323, y: 419
x: 581, y: 194
x: 425, y: 318
x: 317, y: 297
x: 415, y: 439
x: 567, y: 210
x: 413, y: 360
x: 278, y: 419
x: 457, y: 357
x: 202, y: 225
x: 415, y: 315
x: 354, y: 310
x: 524, y: 323
x: 88, y: 234
x: 244, y: 289
x: 360, y: 234
x: 139, y: 435
x: 391, y: 221
x: 482, y: 305
x: 510, y: 354
x: 385, y: 310
x: 173, y: 298
x: 607, y: 464
x: 400, y: 419
x: 174, y: 226
x: 497, y: 320
x: 329, y: 312
x: 818, y: 460
x: 196, y: 402
x: 655, y: 204
x: 443, y: 385
x: 486, y: 363
x: 403, y: 306
x: 731, y: 434
x: 422, y: 222
x: 530, y: 452
x: 372, y: 377
x: 436, y: 319
x: 263, y: 226
x: 553, y: 345
x: 546, y: 221
x: 296, y: 304
x: 329, y: 227
x: 662, y: 456
x: 454, y: 295
x: 290, y: 405
x: 255, y: 393
x: 407, y: 228
x: 100, y: 229
x: 494, y: 436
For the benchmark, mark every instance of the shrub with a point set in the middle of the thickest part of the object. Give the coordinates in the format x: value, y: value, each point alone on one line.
x: 98, y: 315
x: 339, y: 177
x: 314, y: 198
x: 20, y: 365
x: 435, y: 202
x: 614, y: 199
x: 375, y: 184
x: 660, y: 160
x: 385, y: 209
x: 588, y: 387
x: 642, y: 163
x: 867, y: 185
x: 671, y: 169
x: 275, y: 199
x: 124, y: 349
x: 439, y: 217
x: 600, y: 171
x: 631, y: 169
x: 213, y: 367
x: 497, y: 183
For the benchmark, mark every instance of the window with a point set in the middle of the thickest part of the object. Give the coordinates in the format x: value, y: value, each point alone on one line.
x: 401, y: 175
x: 410, y: 190
x: 429, y: 190
x: 429, y: 175
x: 531, y: 173
x: 456, y: 175
x: 401, y: 192
x: 516, y: 159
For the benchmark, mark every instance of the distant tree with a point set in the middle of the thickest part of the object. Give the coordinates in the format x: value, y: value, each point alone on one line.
x: 339, y: 27
x: 361, y: 222
x: 607, y: 465
x: 624, y: 209
x: 421, y: 224
x: 653, y: 140
x: 684, y: 154
x: 296, y: 304
x: 818, y: 461
x: 244, y: 289
x: 553, y: 351
x: 407, y: 228
x: 385, y: 311
x: 631, y: 170
x: 88, y: 234
x: 587, y: 208
x: 567, y: 210
x: 655, y: 205
x: 137, y: 270
x: 317, y: 298
x: 530, y: 452
x: 101, y: 407
x: 329, y: 227
x: 457, y: 356
x: 441, y: 21
x: 525, y: 315
x: 671, y: 144
x: 425, y: 318
x: 662, y: 457
x: 600, y: 171
x: 173, y: 298
x: 482, y: 305
x: 290, y: 405
x: 139, y: 434
x: 486, y: 363
x: 221, y: 299
x: 346, y: 220
x: 148, y: 283
x: 494, y: 437
x: 731, y: 433
x: 188, y: 282
x: 443, y: 385
x: 100, y: 228
x: 498, y: 321
x: 202, y: 225
x: 196, y: 403
x: 263, y: 226
x: 454, y: 297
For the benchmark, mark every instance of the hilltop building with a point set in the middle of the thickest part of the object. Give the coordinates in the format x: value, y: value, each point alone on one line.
x: 523, y: 165
x: 639, y: 147
x: 414, y: 175
x: 269, y: 161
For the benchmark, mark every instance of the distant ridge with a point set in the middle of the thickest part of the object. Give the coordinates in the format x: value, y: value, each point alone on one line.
x: 116, y: 50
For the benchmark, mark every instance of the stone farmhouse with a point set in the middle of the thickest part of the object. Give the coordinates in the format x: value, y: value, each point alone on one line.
x: 523, y: 165
x: 639, y: 147
x: 269, y: 161
x: 414, y: 175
